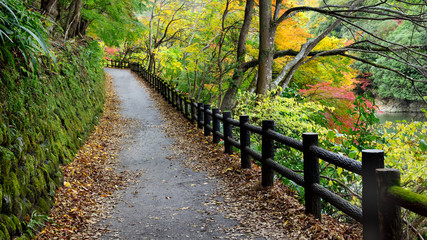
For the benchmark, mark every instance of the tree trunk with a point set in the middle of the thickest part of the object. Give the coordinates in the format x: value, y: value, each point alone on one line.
x: 84, y: 24
x: 73, y: 19
x: 152, y: 63
x: 228, y: 100
x: 220, y: 45
x: 266, y: 39
x: 50, y: 8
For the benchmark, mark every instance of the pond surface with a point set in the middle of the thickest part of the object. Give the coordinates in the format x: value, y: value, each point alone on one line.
x: 393, y: 117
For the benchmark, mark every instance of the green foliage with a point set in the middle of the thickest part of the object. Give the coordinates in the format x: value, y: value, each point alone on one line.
x: 35, y: 223
x: 291, y: 117
x: 387, y: 83
x: 21, y: 34
x: 404, y: 147
x: 44, y: 119
x: 113, y: 21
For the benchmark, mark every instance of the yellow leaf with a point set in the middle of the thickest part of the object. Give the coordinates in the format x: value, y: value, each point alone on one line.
x: 339, y: 171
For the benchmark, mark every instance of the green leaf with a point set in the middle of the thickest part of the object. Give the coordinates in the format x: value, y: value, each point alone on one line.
x: 423, y: 145
x: 352, y: 154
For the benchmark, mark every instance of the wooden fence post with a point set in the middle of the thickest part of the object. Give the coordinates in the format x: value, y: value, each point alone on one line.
x: 371, y: 160
x: 207, y: 119
x: 199, y: 115
x: 245, y: 142
x: 179, y: 102
x: 178, y: 99
x: 311, y: 175
x: 174, y: 97
x: 186, y: 108
x: 193, y: 111
x: 215, y: 126
x: 390, y: 221
x: 267, y: 178
x: 168, y: 94
x: 228, y: 132
x: 155, y: 83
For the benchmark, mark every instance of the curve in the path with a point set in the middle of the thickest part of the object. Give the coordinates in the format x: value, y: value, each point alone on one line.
x: 168, y: 201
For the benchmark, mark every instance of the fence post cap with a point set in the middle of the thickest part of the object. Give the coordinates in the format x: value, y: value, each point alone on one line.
x: 267, y: 121
x: 244, y: 118
x: 382, y: 170
x: 310, y: 134
x: 372, y: 151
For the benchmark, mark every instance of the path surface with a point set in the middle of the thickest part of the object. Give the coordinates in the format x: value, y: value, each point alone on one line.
x: 167, y: 200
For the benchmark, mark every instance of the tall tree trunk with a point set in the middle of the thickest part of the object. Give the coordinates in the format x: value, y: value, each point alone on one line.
x: 228, y: 100
x: 220, y: 45
x: 73, y: 19
x: 152, y: 62
x: 84, y: 24
x: 266, y: 39
x: 50, y: 8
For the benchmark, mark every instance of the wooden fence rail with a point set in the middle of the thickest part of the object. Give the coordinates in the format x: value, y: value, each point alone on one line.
x: 382, y: 195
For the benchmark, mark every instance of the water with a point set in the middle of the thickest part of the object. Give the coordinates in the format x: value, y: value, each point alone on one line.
x: 393, y: 117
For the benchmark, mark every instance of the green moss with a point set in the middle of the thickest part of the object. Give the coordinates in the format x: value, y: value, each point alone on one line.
x: 4, y: 231
x: 28, y: 166
x: 8, y: 222
x: 7, y: 203
x: 408, y: 197
x: 36, y: 186
x: 28, y: 204
x: 21, y: 177
x: 43, y: 206
x: 18, y: 208
x: 18, y: 225
x: 43, y: 124
x: 3, y: 133
x: 1, y: 197
x: 2, y: 235
x: 7, y: 158
x: 15, y: 185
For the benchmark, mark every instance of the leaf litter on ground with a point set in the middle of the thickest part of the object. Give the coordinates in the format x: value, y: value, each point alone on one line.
x: 91, y: 179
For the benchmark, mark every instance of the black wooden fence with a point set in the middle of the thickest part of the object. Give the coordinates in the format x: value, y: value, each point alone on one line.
x: 382, y: 195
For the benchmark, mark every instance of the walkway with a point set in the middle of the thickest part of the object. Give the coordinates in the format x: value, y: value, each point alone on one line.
x: 167, y: 200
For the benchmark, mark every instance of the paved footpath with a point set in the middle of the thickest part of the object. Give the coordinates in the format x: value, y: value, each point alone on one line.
x: 167, y: 201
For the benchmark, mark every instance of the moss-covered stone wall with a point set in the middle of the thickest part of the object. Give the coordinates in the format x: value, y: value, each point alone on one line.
x: 44, y: 120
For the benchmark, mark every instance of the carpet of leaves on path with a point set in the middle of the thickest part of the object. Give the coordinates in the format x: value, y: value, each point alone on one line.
x: 271, y: 213
x: 91, y: 179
